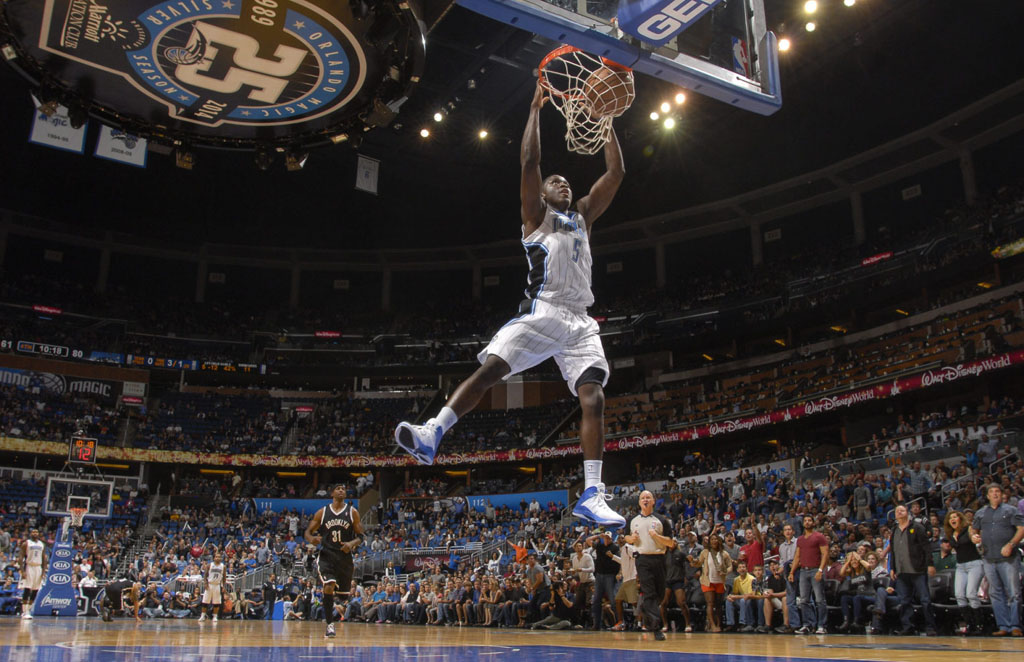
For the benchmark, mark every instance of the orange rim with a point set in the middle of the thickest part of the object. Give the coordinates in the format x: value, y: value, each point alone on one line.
x: 565, y: 50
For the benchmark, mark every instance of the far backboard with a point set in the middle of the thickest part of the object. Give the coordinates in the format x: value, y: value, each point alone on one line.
x: 65, y: 493
x: 717, y: 48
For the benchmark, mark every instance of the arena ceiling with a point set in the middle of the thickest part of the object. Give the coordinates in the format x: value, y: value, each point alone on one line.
x: 868, y: 74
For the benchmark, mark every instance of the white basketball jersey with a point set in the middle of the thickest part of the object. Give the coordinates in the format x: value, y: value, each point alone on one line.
x: 216, y: 576
x: 34, y: 556
x: 558, y: 253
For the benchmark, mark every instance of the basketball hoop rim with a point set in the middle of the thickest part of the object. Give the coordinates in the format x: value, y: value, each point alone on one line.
x: 77, y: 515
x: 565, y: 50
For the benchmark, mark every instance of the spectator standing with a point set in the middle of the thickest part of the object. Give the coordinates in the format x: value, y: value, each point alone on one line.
x: 999, y: 528
x: 809, y: 571
x: 909, y: 563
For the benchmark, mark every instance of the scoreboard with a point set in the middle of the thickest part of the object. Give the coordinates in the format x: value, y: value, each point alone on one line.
x: 82, y: 450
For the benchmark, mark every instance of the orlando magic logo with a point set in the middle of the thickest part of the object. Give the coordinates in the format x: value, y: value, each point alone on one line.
x: 128, y: 139
x: 191, y: 53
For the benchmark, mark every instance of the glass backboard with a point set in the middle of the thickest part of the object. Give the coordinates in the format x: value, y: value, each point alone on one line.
x: 718, y: 48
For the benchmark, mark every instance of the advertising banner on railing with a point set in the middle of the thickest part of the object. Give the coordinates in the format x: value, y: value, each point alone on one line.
x: 478, y: 502
x: 302, y: 506
x: 929, y: 378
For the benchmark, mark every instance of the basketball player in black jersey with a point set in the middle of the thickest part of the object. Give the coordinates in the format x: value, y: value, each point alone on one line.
x: 340, y: 534
x: 114, y: 596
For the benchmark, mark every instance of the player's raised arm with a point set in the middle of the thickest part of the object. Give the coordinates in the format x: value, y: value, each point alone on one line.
x: 604, y: 189
x: 531, y: 206
x: 314, y: 526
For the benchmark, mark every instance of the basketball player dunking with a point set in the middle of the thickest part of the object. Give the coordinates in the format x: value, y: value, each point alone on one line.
x: 553, y: 320
x: 31, y: 552
x: 213, y: 595
x: 340, y: 534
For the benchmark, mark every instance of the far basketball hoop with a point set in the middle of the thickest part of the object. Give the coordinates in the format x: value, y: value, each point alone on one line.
x: 77, y: 516
x: 589, y: 92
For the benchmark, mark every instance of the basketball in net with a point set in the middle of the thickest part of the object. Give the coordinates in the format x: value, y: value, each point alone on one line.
x: 589, y: 91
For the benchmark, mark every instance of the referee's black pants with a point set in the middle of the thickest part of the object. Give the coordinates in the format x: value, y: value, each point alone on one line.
x: 650, y: 576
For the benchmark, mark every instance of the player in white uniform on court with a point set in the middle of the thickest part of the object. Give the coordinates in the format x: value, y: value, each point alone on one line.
x: 214, y: 582
x: 31, y: 552
x: 553, y: 320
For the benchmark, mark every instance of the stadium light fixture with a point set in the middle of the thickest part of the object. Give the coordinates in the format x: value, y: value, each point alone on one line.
x: 184, y: 157
x: 483, y: 134
x: 902, y: 312
x: 263, y: 158
x: 708, y: 357
x: 655, y: 116
x: 424, y: 133
x: 665, y: 106
x: 811, y: 26
x: 811, y: 6
x: 339, y: 138
x: 849, y: 3
x: 295, y: 160
x: 438, y: 116
x: 680, y: 99
x: 670, y: 123
x: 785, y: 44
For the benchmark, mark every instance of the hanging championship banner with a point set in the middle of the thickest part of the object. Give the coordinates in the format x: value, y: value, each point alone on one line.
x: 366, y: 174
x: 116, y: 145
x: 55, y: 130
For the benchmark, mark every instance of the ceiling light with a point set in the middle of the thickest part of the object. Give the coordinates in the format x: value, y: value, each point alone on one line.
x: 438, y: 116
x: 665, y: 107
x: 295, y: 160
x: 655, y: 116
x: 849, y: 3
x: 184, y: 158
x: 784, y: 44
x: 670, y: 123
x: 811, y: 6
x: 424, y: 133
x: 680, y: 99
x: 810, y: 26
x: 263, y: 158
x: 339, y: 138
x: 482, y: 134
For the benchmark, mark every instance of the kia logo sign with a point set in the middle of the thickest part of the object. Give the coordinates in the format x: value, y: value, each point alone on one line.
x: 62, y: 552
x: 62, y: 565
x: 60, y: 578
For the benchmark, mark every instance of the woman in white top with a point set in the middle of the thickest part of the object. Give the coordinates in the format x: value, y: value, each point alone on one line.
x: 715, y: 564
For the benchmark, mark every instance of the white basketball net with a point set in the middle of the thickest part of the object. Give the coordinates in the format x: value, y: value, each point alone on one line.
x: 564, y: 75
x: 77, y: 516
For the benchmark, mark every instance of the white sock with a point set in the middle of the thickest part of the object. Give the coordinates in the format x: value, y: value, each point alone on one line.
x: 446, y: 418
x: 591, y: 473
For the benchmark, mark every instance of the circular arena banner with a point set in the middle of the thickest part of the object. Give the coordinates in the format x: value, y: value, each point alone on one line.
x: 242, y: 69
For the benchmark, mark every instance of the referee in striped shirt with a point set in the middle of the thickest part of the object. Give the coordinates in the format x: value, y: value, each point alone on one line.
x: 651, y: 534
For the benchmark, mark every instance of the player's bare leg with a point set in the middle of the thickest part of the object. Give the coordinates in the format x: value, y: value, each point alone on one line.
x: 592, y: 505
x: 329, y: 608
x: 422, y: 441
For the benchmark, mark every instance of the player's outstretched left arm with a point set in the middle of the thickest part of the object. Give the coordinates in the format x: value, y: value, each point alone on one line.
x: 604, y: 189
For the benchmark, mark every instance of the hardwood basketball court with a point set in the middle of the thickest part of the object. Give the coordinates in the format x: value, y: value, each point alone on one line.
x: 91, y: 640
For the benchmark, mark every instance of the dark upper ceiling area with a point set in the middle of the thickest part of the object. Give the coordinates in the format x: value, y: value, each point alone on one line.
x: 869, y: 74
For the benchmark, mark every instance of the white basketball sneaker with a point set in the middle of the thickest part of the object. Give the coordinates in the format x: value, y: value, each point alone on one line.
x: 420, y: 441
x: 330, y: 630
x: 593, y: 506
x: 202, y: 617
x: 27, y: 615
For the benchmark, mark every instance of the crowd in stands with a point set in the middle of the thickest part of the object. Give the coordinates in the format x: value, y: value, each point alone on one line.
x: 428, y: 331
